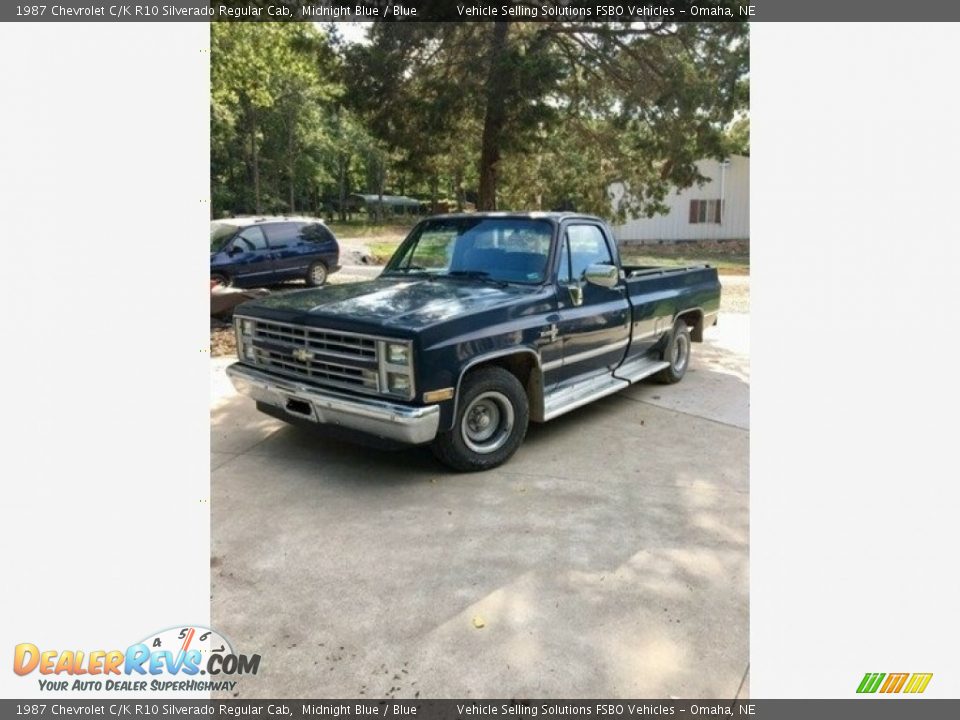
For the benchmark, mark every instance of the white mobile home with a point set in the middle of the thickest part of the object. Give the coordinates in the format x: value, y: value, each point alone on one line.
x: 717, y: 210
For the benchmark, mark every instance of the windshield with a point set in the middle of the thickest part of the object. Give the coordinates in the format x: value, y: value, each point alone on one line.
x: 219, y: 234
x: 501, y: 249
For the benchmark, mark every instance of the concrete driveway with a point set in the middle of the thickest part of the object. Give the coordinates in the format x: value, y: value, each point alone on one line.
x: 608, y: 558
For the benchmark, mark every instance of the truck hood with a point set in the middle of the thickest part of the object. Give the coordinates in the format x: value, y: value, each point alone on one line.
x: 403, y: 303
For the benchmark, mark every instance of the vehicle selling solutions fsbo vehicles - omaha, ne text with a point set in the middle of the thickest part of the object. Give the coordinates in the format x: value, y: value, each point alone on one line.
x: 478, y: 324
x: 253, y: 252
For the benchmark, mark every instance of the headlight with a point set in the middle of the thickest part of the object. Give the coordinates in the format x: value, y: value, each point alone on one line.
x: 398, y: 354
x: 399, y: 384
x: 243, y: 326
x: 396, y: 368
x: 245, y: 329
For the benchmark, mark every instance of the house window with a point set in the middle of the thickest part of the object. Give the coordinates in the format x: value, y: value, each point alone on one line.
x: 705, y: 211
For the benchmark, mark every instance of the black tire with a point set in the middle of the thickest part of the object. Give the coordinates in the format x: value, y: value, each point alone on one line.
x: 677, y: 353
x: 316, y: 274
x: 220, y: 279
x: 488, y: 397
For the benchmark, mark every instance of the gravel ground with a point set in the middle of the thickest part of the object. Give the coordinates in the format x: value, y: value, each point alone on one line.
x: 735, y: 296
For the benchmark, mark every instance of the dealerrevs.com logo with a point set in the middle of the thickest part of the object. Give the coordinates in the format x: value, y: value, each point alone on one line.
x: 190, y: 658
x: 910, y: 683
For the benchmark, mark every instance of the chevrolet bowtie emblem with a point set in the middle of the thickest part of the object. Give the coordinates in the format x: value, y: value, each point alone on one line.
x: 302, y: 355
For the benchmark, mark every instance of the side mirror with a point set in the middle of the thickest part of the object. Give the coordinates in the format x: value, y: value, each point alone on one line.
x: 603, y: 275
x: 234, y: 250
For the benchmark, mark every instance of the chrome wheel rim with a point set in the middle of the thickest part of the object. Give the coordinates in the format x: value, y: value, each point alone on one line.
x: 681, y: 352
x: 318, y: 275
x: 487, y: 422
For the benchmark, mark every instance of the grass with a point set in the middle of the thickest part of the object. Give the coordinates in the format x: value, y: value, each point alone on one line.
x: 363, y: 230
x: 730, y: 258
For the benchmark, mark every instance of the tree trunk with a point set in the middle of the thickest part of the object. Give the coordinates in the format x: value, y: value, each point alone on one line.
x: 434, y: 191
x: 255, y: 161
x: 292, y: 166
x: 342, y: 182
x: 494, y: 117
x: 458, y: 188
x: 380, y: 181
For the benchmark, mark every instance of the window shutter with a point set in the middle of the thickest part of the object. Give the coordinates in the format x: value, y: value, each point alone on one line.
x: 718, y: 205
x: 693, y: 212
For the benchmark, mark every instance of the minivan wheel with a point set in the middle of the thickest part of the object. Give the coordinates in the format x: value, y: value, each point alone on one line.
x: 491, y: 422
x: 677, y: 353
x: 317, y: 274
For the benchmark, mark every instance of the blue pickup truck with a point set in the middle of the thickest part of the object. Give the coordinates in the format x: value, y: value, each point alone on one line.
x: 478, y: 325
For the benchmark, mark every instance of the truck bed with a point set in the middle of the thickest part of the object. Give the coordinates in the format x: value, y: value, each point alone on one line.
x: 658, y: 294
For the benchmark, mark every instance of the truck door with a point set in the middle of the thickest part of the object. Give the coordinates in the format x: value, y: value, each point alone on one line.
x: 594, y: 324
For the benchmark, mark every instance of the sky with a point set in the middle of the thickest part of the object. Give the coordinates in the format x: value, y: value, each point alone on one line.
x: 352, y: 32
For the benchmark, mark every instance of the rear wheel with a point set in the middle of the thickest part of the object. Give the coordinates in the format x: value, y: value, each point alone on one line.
x: 677, y: 354
x: 491, y: 422
x: 317, y: 274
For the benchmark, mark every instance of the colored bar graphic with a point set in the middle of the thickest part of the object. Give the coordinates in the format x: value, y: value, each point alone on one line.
x: 894, y: 682
x: 870, y: 682
x: 918, y: 682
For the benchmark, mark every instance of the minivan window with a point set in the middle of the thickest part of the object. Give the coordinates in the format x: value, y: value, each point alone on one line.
x: 284, y: 234
x: 291, y: 233
x: 220, y: 233
x: 252, y: 238
x: 315, y: 233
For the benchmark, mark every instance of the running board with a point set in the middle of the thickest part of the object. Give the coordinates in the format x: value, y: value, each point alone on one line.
x: 636, y: 370
x: 570, y: 398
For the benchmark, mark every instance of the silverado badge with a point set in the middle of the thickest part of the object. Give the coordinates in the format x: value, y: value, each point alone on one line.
x: 303, y: 355
x: 550, y: 334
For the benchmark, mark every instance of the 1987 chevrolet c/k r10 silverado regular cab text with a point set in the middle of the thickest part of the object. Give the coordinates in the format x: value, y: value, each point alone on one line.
x: 479, y: 324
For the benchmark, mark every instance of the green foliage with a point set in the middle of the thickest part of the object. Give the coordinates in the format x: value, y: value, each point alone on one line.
x: 568, y: 107
x: 513, y: 115
x: 270, y: 143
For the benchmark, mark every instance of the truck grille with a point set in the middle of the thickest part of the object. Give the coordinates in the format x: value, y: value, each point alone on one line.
x: 324, y: 357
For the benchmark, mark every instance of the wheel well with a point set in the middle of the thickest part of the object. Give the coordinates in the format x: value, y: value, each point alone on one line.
x: 694, y: 320
x: 524, y: 367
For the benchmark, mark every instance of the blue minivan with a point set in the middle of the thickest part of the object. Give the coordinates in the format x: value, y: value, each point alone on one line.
x: 253, y: 252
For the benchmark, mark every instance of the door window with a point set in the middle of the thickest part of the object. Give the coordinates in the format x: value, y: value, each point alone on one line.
x: 284, y: 234
x: 587, y: 247
x: 250, y: 239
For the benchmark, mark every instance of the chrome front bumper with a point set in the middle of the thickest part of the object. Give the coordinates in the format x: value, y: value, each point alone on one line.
x: 403, y: 423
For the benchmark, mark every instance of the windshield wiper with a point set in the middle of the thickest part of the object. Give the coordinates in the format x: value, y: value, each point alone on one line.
x: 406, y: 270
x: 477, y: 275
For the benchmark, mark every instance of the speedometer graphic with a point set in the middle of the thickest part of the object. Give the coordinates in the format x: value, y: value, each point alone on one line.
x: 184, y: 639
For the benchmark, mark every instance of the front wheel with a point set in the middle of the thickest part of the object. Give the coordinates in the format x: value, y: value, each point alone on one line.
x: 317, y: 274
x: 491, y: 422
x: 677, y: 354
